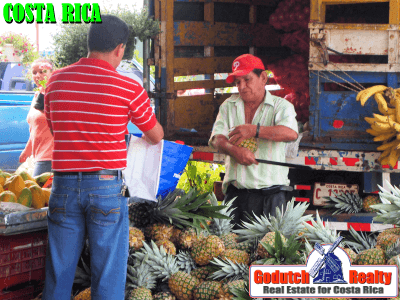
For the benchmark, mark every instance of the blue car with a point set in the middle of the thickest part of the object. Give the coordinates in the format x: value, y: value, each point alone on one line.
x: 16, y: 93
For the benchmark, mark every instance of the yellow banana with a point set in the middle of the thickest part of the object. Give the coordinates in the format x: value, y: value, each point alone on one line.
x: 393, y: 157
x: 373, y: 132
x: 379, y: 129
x: 384, y: 119
x: 397, y: 100
x: 385, y: 136
x: 381, y: 100
x: 371, y: 91
x: 371, y: 120
x: 394, y: 125
x: 384, y: 154
x: 382, y: 126
x: 385, y: 161
x: 389, y: 145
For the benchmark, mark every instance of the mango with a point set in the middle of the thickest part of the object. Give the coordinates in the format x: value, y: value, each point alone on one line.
x: 3, y: 179
x: 8, y: 196
x: 42, y: 178
x: 6, y: 174
x: 16, y: 185
x: 29, y: 183
x: 25, y: 198
x: 46, y: 192
x: 1, y: 189
x: 38, y: 199
x: 25, y: 176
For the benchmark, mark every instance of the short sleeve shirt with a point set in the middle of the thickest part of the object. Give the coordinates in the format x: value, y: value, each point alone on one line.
x: 272, y: 112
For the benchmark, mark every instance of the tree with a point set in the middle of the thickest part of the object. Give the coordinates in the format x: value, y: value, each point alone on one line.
x: 70, y: 42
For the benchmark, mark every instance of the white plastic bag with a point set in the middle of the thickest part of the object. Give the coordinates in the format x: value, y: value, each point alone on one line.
x: 292, y: 148
x: 27, y: 166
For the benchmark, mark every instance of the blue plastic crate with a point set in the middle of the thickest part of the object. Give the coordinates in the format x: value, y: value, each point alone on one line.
x: 336, y: 118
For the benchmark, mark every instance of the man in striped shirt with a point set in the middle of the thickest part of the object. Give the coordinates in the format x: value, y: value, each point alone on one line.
x: 88, y: 106
x: 271, y: 120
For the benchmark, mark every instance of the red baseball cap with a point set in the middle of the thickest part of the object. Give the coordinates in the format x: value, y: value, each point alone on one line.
x: 243, y: 65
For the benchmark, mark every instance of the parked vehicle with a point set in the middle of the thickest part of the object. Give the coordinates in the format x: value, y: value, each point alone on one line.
x: 205, y: 37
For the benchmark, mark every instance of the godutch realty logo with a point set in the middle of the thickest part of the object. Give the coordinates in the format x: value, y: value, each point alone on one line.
x: 327, y: 274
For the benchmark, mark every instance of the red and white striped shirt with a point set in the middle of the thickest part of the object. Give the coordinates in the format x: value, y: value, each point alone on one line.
x: 88, y: 106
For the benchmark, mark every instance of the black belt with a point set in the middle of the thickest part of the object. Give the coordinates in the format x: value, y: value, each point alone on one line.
x: 101, y: 172
x: 265, y: 191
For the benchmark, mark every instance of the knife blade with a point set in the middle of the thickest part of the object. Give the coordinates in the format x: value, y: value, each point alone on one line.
x: 264, y: 161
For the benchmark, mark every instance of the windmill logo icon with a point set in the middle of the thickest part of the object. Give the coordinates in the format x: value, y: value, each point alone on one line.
x: 327, y: 269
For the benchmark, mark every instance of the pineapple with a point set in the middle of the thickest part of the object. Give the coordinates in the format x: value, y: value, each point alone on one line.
x: 370, y: 200
x: 187, y: 238
x: 164, y: 296
x: 288, y: 222
x: 202, y: 273
x: 389, y: 210
x: 250, y: 143
x: 318, y: 232
x: 84, y: 295
x: 141, y: 280
x: 187, y: 210
x: 175, y: 235
x: 268, y: 239
x: 352, y: 255
x: 207, y: 290
x: 169, y: 247
x: 362, y: 241
x: 374, y: 256
x: 136, y: 238
x: 227, y: 269
x: 384, y: 241
x: 236, y: 256
x: 392, y: 261
x: 226, y: 293
x: 229, y: 240
x: 347, y: 202
x: 159, y: 231
x: 393, y: 250
x: 182, y: 285
x: 185, y: 261
x: 221, y: 227
x: 206, y: 249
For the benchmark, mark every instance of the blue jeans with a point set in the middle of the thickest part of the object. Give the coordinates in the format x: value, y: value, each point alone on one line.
x: 93, y: 205
x: 42, y: 167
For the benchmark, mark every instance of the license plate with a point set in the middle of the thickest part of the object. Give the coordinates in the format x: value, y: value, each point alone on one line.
x: 322, y: 190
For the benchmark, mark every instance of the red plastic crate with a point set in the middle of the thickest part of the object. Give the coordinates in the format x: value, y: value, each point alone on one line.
x: 25, y: 293
x: 22, y: 259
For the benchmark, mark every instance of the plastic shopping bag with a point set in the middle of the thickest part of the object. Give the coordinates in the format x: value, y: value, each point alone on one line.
x: 154, y: 170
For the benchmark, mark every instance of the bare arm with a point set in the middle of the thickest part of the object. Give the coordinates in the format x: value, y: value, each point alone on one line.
x: 154, y: 135
x: 242, y: 155
x: 277, y: 133
x: 26, y: 152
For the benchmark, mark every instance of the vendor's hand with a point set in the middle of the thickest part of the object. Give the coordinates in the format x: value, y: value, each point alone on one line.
x: 241, y: 133
x: 22, y: 157
x: 147, y: 139
x: 245, y: 157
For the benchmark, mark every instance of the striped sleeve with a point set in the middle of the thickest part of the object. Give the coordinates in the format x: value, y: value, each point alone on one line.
x: 141, y: 114
x: 286, y: 115
x: 221, y: 123
x: 47, y: 111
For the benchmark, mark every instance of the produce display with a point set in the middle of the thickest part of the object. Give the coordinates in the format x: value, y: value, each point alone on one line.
x: 22, y: 188
x: 385, y: 127
x: 209, y: 260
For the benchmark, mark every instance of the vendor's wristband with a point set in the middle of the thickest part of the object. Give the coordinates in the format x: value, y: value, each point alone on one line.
x: 258, y: 130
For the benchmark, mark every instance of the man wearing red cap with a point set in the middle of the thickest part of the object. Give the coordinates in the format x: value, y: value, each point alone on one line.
x: 268, y: 122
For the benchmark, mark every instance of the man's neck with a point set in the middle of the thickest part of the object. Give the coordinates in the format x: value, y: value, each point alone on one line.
x: 103, y: 56
x: 254, y: 104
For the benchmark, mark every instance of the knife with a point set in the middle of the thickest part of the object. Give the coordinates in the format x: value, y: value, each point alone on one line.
x: 283, y: 164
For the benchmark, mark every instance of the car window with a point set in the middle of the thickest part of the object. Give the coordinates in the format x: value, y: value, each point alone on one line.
x: 13, y: 77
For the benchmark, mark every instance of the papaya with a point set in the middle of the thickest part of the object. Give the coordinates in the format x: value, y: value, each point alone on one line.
x: 2, y: 179
x: 6, y: 174
x: 38, y: 199
x: 8, y: 196
x: 25, y: 198
x: 28, y: 183
x: 1, y: 189
x: 16, y: 185
x: 26, y: 176
x: 46, y: 192
x: 42, y: 178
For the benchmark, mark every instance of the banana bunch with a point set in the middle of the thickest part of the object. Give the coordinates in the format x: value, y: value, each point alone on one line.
x: 386, y: 127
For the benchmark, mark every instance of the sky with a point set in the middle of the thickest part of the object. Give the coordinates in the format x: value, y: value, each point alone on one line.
x: 46, y: 30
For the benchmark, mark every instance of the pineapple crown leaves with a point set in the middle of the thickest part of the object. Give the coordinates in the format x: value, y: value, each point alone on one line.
x: 140, y: 276
x: 318, y: 232
x: 83, y: 276
x: 345, y: 203
x: 288, y: 222
x: 185, y: 261
x: 282, y: 253
x: 393, y: 249
x: 362, y: 240
x: 229, y: 269
x: 389, y: 209
x: 241, y: 294
x: 162, y: 264
x: 223, y: 226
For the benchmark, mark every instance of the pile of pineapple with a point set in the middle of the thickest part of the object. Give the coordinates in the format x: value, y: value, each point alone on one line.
x: 184, y: 247
x: 24, y: 189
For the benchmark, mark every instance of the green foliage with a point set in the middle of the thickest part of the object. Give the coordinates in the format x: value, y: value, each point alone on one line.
x: 70, y: 42
x: 282, y: 253
x: 22, y: 47
x: 200, y: 175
